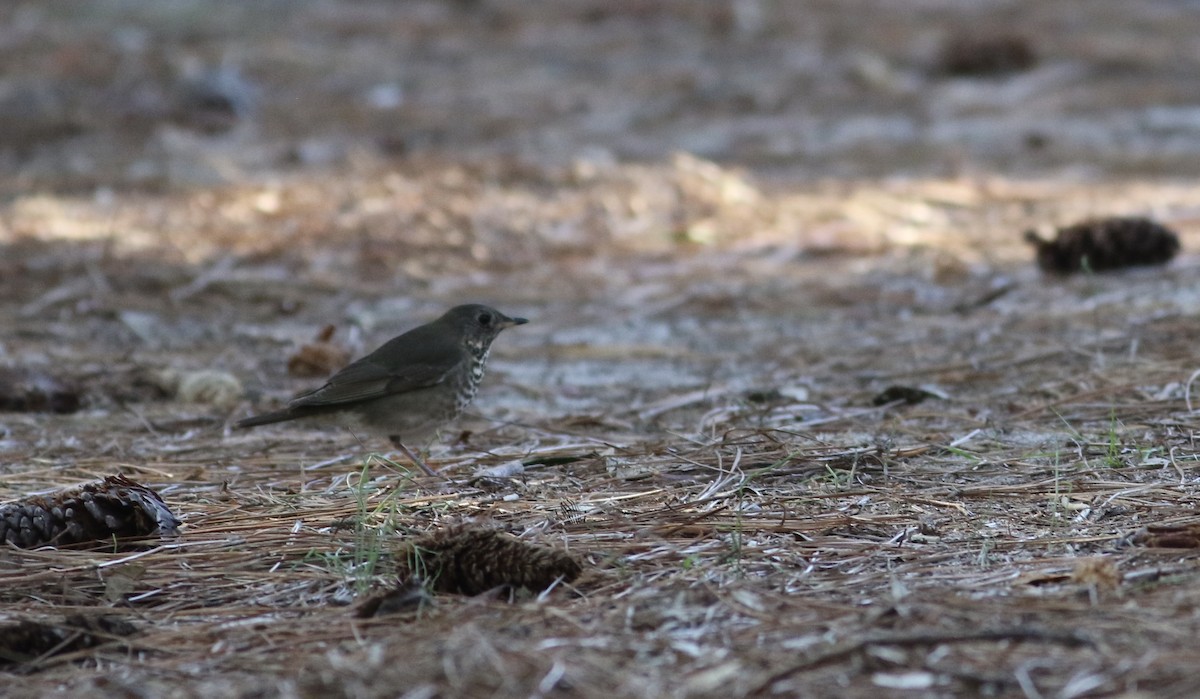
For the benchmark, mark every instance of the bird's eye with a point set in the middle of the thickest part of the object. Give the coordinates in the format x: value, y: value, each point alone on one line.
x: 485, y: 319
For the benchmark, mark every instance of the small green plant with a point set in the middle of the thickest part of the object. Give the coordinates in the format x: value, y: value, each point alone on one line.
x: 417, y: 565
x: 766, y: 470
x: 1112, y: 455
x: 839, y: 479
x: 983, y: 560
x: 735, y: 554
x: 1057, y: 481
x: 962, y: 453
x: 735, y: 548
x: 370, y: 540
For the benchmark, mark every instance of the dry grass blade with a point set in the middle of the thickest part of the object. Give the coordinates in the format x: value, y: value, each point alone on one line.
x: 929, y: 638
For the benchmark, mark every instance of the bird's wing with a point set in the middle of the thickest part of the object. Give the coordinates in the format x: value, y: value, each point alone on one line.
x: 364, y: 381
x: 419, y: 358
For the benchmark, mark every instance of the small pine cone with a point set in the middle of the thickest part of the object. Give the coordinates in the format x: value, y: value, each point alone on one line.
x: 472, y: 561
x: 29, y: 390
x: 908, y: 394
x: 319, y: 358
x: 115, y: 507
x: 1105, y: 244
x: 27, y: 640
x: 990, y: 54
x: 1184, y: 536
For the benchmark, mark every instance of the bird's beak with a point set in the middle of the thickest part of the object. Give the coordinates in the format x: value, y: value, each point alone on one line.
x: 509, y: 322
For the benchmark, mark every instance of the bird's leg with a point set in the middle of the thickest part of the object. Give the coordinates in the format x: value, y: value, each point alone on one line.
x: 412, y: 457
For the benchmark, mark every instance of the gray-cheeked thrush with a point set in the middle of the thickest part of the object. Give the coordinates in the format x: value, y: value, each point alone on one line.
x: 411, y: 386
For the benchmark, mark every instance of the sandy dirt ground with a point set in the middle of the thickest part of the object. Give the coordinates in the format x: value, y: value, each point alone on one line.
x: 732, y: 225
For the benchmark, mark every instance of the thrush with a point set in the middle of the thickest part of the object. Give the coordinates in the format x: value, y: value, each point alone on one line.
x: 411, y: 386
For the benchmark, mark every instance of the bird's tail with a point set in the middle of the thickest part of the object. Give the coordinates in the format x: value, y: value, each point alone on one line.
x: 265, y: 419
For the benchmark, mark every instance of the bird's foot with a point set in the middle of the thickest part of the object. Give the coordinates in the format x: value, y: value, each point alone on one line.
x: 395, y: 439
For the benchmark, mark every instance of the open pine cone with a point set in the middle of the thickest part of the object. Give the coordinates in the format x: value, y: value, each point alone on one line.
x: 470, y: 561
x: 1104, y: 244
x: 23, y: 641
x: 116, y: 507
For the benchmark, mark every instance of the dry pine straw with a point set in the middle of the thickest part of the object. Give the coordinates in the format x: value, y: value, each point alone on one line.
x: 984, y: 543
x: 760, y: 561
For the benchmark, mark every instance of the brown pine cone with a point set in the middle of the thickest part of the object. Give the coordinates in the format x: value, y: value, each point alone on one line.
x: 115, y: 507
x: 319, y: 358
x: 1105, y: 244
x: 973, y: 54
x: 24, y: 389
x: 472, y: 561
x: 23, y: 641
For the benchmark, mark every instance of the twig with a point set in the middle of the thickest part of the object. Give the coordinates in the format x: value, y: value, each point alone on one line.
x: 926, y: 638
x: 1187, y: 390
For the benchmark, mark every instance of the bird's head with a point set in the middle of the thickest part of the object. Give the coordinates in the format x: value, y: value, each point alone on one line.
x: 479, y: 324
